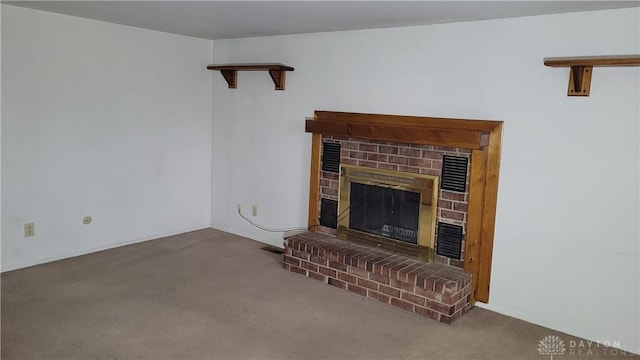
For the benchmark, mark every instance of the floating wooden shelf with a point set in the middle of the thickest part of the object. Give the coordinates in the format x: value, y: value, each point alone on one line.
x: 277, y: 72
x: 582, y: 67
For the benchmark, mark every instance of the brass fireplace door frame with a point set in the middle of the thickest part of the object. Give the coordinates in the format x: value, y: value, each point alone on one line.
x: 425, y: 185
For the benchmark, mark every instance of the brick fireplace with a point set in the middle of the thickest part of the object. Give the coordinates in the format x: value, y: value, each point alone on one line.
x: 411, y: 158
x: 442, y: 289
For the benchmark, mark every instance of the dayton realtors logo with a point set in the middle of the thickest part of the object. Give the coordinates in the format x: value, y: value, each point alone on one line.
x: 551, y: 345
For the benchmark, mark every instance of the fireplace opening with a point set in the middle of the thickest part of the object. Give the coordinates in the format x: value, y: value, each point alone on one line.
x: 384, y: 211
x: 389, y: 209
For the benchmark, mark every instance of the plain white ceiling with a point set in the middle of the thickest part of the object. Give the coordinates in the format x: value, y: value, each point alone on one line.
x: 237, y: 19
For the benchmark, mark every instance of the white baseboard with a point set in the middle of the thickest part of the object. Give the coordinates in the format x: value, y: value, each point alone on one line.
x: 26, y: 264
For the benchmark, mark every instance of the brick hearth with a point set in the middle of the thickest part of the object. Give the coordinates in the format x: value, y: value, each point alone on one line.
x: 437, y: 291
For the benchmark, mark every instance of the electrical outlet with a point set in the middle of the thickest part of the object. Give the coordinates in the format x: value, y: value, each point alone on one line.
x: 254, y: 210
x: 239, y: 207
x: 29, y: 230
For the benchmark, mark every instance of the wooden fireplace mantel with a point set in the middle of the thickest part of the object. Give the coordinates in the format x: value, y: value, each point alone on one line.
x: 483, y: 137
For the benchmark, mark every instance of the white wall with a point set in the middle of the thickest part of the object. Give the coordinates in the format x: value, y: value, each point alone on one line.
x: 0, y: 138
x: 102, y: 120
x: 566, y: 245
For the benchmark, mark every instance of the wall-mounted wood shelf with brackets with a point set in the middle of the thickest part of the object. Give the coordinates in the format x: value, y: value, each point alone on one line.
x: 277, y: 72
x: 582, y: 67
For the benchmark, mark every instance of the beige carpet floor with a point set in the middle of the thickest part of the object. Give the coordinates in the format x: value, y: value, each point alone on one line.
x: 212, y: 295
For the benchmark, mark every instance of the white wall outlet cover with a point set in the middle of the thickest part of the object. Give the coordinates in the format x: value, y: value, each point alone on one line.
x: 86, y: 220
x: 29, y: 229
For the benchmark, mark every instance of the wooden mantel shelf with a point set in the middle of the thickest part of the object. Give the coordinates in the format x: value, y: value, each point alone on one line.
x: 582, y: 67
x: 277, y: 72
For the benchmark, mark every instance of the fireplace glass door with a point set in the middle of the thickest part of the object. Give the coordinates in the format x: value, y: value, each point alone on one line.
x: 390, y: 208
x: 383, y: 211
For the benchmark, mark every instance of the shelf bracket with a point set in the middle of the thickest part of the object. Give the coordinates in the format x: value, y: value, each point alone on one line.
x: 231, y: 76
x: 278, y: 77
x: 580, y: 80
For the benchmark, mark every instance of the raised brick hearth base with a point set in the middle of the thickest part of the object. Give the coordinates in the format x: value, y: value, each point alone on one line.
x: 437, y: 291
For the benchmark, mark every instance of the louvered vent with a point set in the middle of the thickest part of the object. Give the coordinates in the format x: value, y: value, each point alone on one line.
x: 329, y: 213
x: 449, y: 240
x: 331, y: 157
x: 454, y: 173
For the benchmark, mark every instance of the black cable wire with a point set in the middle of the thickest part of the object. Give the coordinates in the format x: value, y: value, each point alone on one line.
x: 267, y: 228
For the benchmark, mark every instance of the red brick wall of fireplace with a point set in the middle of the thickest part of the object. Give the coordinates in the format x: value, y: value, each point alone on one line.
x: 411, y: 158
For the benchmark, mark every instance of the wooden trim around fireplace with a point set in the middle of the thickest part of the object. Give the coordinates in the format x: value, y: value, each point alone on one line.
x: 483, y: 137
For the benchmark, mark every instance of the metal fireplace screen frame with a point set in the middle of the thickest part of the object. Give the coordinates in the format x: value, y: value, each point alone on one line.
x: 425, y: 185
